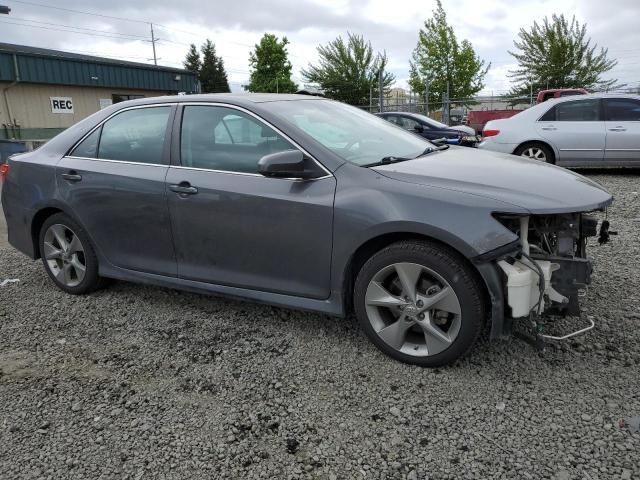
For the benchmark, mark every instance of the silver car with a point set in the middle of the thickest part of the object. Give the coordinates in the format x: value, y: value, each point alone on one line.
x: 587, y: 131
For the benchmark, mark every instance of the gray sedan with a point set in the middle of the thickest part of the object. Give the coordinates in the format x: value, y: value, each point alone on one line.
x: 306, y: 203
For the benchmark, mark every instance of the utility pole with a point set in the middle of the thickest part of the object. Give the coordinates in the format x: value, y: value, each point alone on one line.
x: 426, y: 96
x: 381, y: 93
x: 153, y: 44
x: 371, y: 97
x: 446, y: 111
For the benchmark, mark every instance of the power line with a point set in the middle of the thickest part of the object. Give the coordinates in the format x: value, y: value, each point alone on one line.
x: 77, y: 28
x: 78, y: 11
x: 71, y: 31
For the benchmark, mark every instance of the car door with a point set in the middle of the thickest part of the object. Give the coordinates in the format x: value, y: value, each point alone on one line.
x: 622, y: 121
x: 576, y: 130
x: 235, y: 227
x: 114, y: 183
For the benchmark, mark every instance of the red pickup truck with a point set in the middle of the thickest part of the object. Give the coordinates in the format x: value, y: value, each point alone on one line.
x: 544, y: 95
x: 477, y: 119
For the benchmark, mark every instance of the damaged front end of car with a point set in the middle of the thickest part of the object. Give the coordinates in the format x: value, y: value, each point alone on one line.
x: 542, y: 275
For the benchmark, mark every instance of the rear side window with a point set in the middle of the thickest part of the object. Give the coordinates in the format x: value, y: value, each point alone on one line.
x: 88, y: 148
x: 576, y: 111
x: 132, y: 136
x: 550, y: 116
x: 622, y: 110
x: 135, y: 135
x: 220, y: 138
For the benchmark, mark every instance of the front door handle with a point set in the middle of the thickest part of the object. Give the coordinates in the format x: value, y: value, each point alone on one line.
x: 183, y: 188
x: 618, y: 129
x: 549, y: 128
x: 72, y: 176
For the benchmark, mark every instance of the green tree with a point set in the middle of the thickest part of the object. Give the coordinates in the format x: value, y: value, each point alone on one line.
x: 192, y: 61
x: 270, y: 66
x: 348, y: 71
x: 213, y: 76
x: 556, y: 54
x: 441, y: 61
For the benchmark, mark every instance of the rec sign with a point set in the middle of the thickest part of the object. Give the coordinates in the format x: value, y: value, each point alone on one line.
x: 61, y: 104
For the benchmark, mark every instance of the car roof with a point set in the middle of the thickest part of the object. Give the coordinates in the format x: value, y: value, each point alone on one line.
x: 241, y: 99
x: 573, y: 98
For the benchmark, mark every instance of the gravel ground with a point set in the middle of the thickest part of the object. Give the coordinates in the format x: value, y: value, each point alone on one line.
x: 141, y: 382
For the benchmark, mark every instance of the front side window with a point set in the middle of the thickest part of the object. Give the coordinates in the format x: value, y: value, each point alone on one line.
x: 352, y: 134
x: 623, y: 110
x: 135, y: 135
x: 408, y: 123
x: 221, y: 138
x: 578, y: 111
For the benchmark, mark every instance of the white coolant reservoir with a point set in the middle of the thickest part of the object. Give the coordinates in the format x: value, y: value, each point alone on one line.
x: 523, y: 291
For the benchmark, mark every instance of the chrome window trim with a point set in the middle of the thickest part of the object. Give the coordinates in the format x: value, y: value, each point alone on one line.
x: 134, y: 107
x: 262, y: 120
x: 246, y: 174
x: 108, y: 160
x: 582, y: 149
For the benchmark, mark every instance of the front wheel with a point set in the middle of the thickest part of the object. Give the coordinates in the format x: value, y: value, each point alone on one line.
x: 419, y: 303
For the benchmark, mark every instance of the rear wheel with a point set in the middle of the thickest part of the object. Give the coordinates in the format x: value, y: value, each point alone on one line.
x: 419, y: 303
x: 68, y: 256
x: 536, y: 151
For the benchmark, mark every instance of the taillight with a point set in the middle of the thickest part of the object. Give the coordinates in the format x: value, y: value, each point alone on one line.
x: 490, y: 133
x: 4, y: 171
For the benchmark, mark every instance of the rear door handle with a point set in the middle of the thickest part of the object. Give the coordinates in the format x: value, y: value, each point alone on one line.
x: 183, y: 188
x: 618, y: 129
x: 71, y: 176
x: 549, y: 128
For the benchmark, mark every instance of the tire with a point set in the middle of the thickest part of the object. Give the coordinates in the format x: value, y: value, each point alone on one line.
x: 536, y: 151
x: 66, y: 247
x: 447, y: 329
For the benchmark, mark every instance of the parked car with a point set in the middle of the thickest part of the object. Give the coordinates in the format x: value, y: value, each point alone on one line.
x: 431, y: 129
x: 544, y: 95
x: 477, y: 119
x: 593, y: 130
x: 308, y: 203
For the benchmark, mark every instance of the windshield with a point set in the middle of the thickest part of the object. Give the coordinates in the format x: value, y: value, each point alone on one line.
x: 431, y: 121
x: 353, y: 134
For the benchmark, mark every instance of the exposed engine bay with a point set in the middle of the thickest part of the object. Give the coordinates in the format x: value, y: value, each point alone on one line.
x: 552, y: 269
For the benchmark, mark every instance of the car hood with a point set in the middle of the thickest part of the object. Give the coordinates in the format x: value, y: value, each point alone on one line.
x: 537, y: 187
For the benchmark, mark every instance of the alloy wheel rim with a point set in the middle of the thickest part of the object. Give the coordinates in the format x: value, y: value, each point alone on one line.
x: 413, y: 309
x: 64, y: 255
x: 535, y: 153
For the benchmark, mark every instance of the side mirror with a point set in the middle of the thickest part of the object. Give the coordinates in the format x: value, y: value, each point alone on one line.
x: 418, y: 127
x: 286, y: 164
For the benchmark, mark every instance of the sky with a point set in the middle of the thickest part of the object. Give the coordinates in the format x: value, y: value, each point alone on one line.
x: 235, y: 26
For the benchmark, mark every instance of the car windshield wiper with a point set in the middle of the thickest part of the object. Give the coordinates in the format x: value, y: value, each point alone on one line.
x: 387, y: 161
x: 392, y: 159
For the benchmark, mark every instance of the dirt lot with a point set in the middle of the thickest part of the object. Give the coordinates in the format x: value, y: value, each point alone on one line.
x: 140, y: 382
